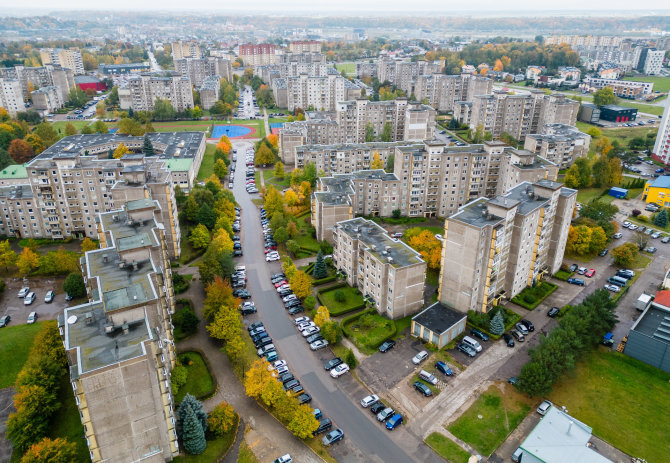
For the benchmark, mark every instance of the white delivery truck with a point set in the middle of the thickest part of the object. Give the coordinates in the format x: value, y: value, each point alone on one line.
x: 643, y: 302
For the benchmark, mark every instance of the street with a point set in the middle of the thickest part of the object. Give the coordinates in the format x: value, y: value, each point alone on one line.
x: 365, y: 439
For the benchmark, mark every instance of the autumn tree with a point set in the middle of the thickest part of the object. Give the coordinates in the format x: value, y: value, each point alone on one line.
x: 88, y: 245
x: 20, y: 151
x: 120, y: 151
x: 279, y: 170
x: 70, y: 129
x: 273, y: 201
x: 7, y: 255
x: 425, y: 243
x: 594, y: 132
x: 200, y: 237
x: 48, y: 450
x: 301, y: 284
x: 27, y: 261
x: 264, y: 155
x: 273, y: 139
x: 624, y: 255
x: 221, y: 419
x: 35, y: 143
x: 579, y: 240
x: 130, y: 126
x: 218, y: 294
x: 322, y: 316
x: 303, y: 423
x: 220, y: 168
x: 377, y: 162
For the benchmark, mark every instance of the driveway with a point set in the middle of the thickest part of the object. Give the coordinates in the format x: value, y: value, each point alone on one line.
x: 365, y: 440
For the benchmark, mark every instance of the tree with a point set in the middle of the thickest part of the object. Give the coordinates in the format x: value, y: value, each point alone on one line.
x: 47, y: 133
x: 218, y: 294
x: 220, y: 168
x: 571, y: 178
x: 661, y: 219
x: 386, y: 132
x: 377, y: 162
x: 291, y: 198
x: 303, y: 422
x: 120, y: 151
x: 331, y: 332
x: 274, y: 202
x: 196, y: 113
x: 624, y: 255
x: 264, y: 155
x: 599, y: 211
x: 7, y: 255
x: 5, y: 158
x: 221, y: 419
x: 322, y: 316
x: 279, y: 170
x: 301, y: 284
x: 128, y: 126
x: 389, y: 163
x: 584, y: 170
x: 257, y: 378
x: 74, y: 285
x: 163, y: 110
x: 195, y: 405
x: 30, y: 423
x: 86, y: 130
x: 604, y: 96
x: 27, y: 261
x: 48, y: 450
x: 320, y: 269
x: 178, y: 377
x: 595, y: 132
x: 200, y: 237
x: 601, y: 171
x: 148, y: 147
x: 498, y: 324
x: 35, y: 143
x: 100, y: 127
x: 206, y: 216
x: 641, y: 240
x: 70, y: 129
x: 20, y: 151
x: 350, y: 359
x: 579, y: 240
x: 293, y: 247
x: 88, y: 245
x: 598, y: 240
x: 77, y: 97
x: 309, y: 302
x: 192, y: 433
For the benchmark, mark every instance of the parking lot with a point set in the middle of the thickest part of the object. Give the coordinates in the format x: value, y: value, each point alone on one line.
x: 13, y: 306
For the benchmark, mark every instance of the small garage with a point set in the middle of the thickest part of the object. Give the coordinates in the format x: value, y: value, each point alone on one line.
x: 438, y: 324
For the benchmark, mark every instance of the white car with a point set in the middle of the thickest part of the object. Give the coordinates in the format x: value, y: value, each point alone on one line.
x: 310, y: 331
x: 303, y: 326
x: 300, y: 320
x: 32, y: 317
x: 29, y: 299
x: 318, y: 344
x: 24, y: 291
x: 544, y: 407
x: 369, y: 400
x: 616, y: 236
x: 283, y: 288
x: 613, y: 288
x: 420, y: 357
x: 633, y: 227
x: 339, y: 370
x: 284, y: 459
x: 271, y: 258
x: 626, y: 224
x: 290, y: 297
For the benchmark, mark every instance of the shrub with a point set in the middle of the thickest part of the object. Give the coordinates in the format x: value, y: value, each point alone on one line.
x: 636, y: 212
x: 178, y: 378
x: 643, y: 218
x: 179, y: 283
x: 340, y: 296
x: 74, y: 285
x: 350, y: 359
x: 186, y: 320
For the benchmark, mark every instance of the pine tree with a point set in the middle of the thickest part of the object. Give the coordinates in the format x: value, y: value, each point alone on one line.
x: 320, y: 270
x: 498, y: 324
x: 196, y: 406
x: 148, y: 147
x: 192, y: 433
x: 661, y: 219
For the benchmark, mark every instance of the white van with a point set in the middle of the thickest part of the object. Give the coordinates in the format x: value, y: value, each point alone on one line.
x: 472, y: 343
x: 424, y: 375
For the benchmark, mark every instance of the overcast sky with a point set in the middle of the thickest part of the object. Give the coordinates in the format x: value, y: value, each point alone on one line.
x: 344, y: 7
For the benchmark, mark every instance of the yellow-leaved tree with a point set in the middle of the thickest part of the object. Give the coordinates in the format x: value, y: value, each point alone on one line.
x: 120, y: 151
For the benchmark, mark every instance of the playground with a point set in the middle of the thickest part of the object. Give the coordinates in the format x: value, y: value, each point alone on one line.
x: 233, y: 131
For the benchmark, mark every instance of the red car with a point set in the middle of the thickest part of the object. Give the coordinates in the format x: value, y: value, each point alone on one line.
x: 590, y: 272
x: 281, y: 283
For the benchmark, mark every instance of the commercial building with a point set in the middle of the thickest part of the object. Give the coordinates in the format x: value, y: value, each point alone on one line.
x: 197, y: 69
x: 438, y: 324
x: 209, y: 91
x: 319, y: 92
x: 657, y: 191
x: 559, y: 437
x: 32, y: 78
x: 11, y: 96
x: 47, y: 99
x: 649, y: 337
x: 342, y: 196
x: 623, y: 88
x: 122, y: 69
x: 651, y: 61
x: 89, y: 82
x: 614, y: 113
x: 68, y: 58
x: 143, y: 90
x: 494, y: 248
x: 443, y: 91
x: 661, y: 150
x: 384, y: 269
x: 259, y: 54
x: 589, y: 113
x: 188, y: 49
x: 304, y: 46
x: 120, y: 344
x: 559, y: 143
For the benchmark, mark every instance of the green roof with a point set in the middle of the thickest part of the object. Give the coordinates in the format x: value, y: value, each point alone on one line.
x: 183, y: 164
x: 14, y: 171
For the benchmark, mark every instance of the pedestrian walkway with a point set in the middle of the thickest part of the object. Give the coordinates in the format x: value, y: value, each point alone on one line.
x: 267, y: 123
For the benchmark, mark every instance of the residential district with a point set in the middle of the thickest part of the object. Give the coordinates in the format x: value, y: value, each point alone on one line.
x: 290, y: 244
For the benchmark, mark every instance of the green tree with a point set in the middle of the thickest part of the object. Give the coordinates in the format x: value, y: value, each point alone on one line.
x: 279, y: 170
x: 178, y: 377
x: 196, y: 113
x: 200, y: 237
x: 497, y: 324
x: 309, y: 302
x: 70, y: 129
x: 604, y: 96
x: 331, y: 332
x: 320, y: 269
x: 584, y: 171
x: 369, y: 133
x: 195, y: 405
x: 192, y: 433
x: 601, y: 171
x: 74, y: 285
x: 594, y: 132
x: 292, y: 247
x: 100, y: 127
x: 163, y: 110
x: 599, y: 211
x: 386, y: 132
x: 339, y: 296
x: 148, y: 147
x: 389, y: 163
x: 206, y: 216
x: 47, y: 133
x: 86, y: 130
x: 350, y: 358
x: 661, y: 219
x: 77, y: 97
x: 220, y: 168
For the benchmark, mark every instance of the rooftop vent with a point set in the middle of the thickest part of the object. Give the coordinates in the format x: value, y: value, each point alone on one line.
x: 105, y: 258
x: 115, y: 218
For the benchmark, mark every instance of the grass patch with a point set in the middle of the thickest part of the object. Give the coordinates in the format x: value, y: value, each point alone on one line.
x: 308, y: 244
x: 402, y: 324
x: 563, y: 275
x: 368, y: 335
x: 199, y: 382
x: 15, y: 344
x: 281, y: 183
x: 436, y: 391
x: 188, y: 252
x: 433, y: 277
x: 353, y: 300
x: 216, y: 448
x: 207, y: 166
x: 66, y: 421
x: 640, y: 261
x: 181, y: 126
x: 349, y: 68
x: 501, y: 414
x: 610, y: 391
x: 446, y: 448
x: 641, y: 107
x: 60, y: 125
x: 661, y: 84
x: 586, y: 195
x: 245, y: 454
x: 316, y: 445
x: 532, y: 296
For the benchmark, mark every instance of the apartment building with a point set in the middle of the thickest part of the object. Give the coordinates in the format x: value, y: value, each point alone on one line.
x: 661, y: 150
x: 569, y: 73
x: 197, y: 69
x: 403, y: 74
x: 143, y: 90
x: 314, y: 57
x: 344, y: 158
x: 519, y: 115
x: 534, y: 71
x: 342, y: 196
x: 122, y: 69
x: 186, y: 49
x: 11, y: 96
x: 268, y: 73
x: 120, y: 344
x: 584, y: 40
x: 32, y: 78
x: 68, y: 58
x: 366, y: 70
x: 304, y: 46
x: 47, y: 99
x: 494, y: 248
x: 209, y: 91
x: 651, y: 61
x: 559, y: 143
x: 443, y: 91
x: 385, y: 269
x: 519, y: 166
x: 622, y: 88
x: 259, y: 54
x: 319, y: 92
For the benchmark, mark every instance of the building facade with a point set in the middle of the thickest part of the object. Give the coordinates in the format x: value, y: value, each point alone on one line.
x: 197, y: 69
x: 661, y: 150
x: 209, y: 92
x: 443, y: 91
x: 622, y: 88
x: 651, y: 61
x: 304, y: 46
x: 68, y: 58
x: 120, y: 344
x: 143, y: 90
x: 319, y: 92
x: 259, y: 54
x: 657, y: 191
x: 47, y: 99
x: 386, y: 270
x: 559, y: 143
x: 33, y: 78
x: 494, y: 248
x: 11, y: 96
x: 186, y: 49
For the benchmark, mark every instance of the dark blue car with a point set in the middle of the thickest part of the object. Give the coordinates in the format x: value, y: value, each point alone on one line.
x: 443, y: 368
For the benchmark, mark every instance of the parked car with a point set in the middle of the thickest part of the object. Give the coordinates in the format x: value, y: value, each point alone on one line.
x: 386, y: 346
x: 319, y: 344
x: 477, y: 333
x: 296, y: 309
x: 24, y: 291
x: 29, y: 299
x: 590, y: 273
x: 385, y: 414
x: 665, y: 239
x: 422, y: 388
x: 613, y: 288
x: 509, y: 340
x: 324, y: 425
x: 467, y: 350
x: 553, y: 312
x: 394, y: 422
x: 517, y: 335
x: 650, y: 249
x: 582, y: 270
x: 527, y: 323
x: 284, y: 459
x: 339, y: 370
x: 333, y: 436
x: 369, y: 400
x: 576, y: 281
x: 332, y: 363
x: 574, y: 267
x: 428, y: 377
x: 420, y: 357
x: 443, y: 368
x: 298, y: 320
x: 544, y: 407
x: 616, y: 236
x: 521, y: 328
x: 4, y: 320
x: 32, y: 317
x: 378, y: 407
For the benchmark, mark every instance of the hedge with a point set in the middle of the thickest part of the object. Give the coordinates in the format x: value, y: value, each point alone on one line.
x: 532, y: 296
x: 562, y: 275
x: 325, y: 280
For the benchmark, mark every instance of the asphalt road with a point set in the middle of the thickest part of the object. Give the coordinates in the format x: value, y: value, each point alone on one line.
x: 247, y: 109
x: 365, y: 439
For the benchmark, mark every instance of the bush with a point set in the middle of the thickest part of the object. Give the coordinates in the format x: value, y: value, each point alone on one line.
x: 74, y: 285
x: 350, y: 359
x: 340, y: 296
x: 643, y: 218
x: 533, y: 295
x: 323, y: 281
x: 180, y: 283
x: 309, y: 302
x: 636, y: 212
x: 178, y: 378
x: 186, y: 321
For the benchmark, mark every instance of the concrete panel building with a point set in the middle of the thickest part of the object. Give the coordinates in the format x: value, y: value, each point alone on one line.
x: 345, y: 158
x: 304, y: 46
x: 651, y: 61
x: 387, y: 270
x: 47, y: 99
x: 443, y: 91
x: 559, y: 143
x: 319, y: 92
x: 68, y: 58
x: 197, y: 69
x: 11, y: 96
x: 494, y: 248
x: 143, y: 90
x: 120, y: 344
x: 259, y: 54
x: 649, y: 337
x: 661, y: 150
x: 186, y: 49
x: 32, y: 78
x: 622, y: 88
x: 209, y: 91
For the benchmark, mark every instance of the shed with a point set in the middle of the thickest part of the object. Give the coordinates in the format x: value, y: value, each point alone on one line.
x: 618, y: 192
x: 438, y: 324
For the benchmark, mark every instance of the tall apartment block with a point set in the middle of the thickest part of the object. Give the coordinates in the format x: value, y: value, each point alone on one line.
x: 519, y: 115
x: 143, y: 90
x: 387, y: 270
x: 11, y: 96
x: 661, y: 150
x: 345, y: 158
x: 403, y: 74
x: 559, y: 143
x: 443, y: 91
x: 259, y: 54
x: 319, y: 92
x: 120, y: 344
x: 67, y: 58
x: 651, y: 61
x: 304, y: 46
x: 32, y: 78
x: 47, y: 99
x: 188, y: 49
x: 197, y: 69
x: 209, y: 91
x: 494, y: 248
x: 342, y: 196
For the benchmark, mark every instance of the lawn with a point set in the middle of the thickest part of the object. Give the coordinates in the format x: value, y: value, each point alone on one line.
x: 532, y: 296
x: 622, y: 134
x: 585, y: 195
x: 353, y: 300
x: 500, y: 415
x: 612, y: 392
x: 641, y: 107
x: 182, y: 126
x: 199, y: 382
x: 661, y: 84
x: 563, y: 275
x: 60, y: 125
x: 15, y: 343
x: 446, y: 448
x: 245, y: 454
x: 215, y: 450
x: 207, y: 165
x: 349, y: 68
x: 309, y: 246
x: 188, y: 252
x: 269, y: 178
x: 66, y: 420
x: 368, y: 337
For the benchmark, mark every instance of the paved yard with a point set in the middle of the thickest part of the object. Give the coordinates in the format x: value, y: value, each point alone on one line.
x: 381, y: 372
x: 13, y: 306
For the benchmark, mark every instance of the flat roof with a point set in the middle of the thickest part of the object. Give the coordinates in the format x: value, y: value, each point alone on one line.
x: 439, y: 318
x: 655, y: 323
x: 475, y: 213
x: 661, y: 182
x: 14, y: 171
x: 524, y: 195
